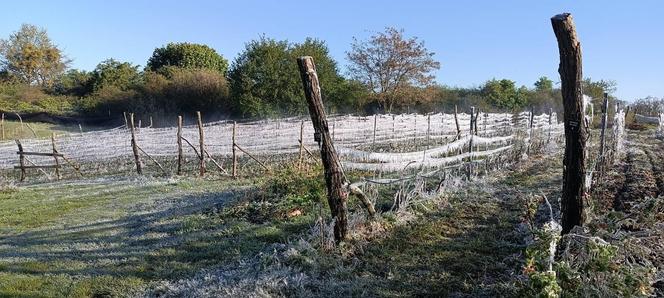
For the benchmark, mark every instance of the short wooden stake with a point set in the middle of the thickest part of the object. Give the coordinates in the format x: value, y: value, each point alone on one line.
x: 21, y: 127
x: 605, y: 115
x: 179, y: 142
x: 134, y: 146
x: 373, y: 144
x: 2, y: 126
x: 234, y: 172
x: 456, y: 121
x: 202, y: 144
x: 301, y: 141
x: 125, y: 119
x: 21, y: 159
x: 55, y: 156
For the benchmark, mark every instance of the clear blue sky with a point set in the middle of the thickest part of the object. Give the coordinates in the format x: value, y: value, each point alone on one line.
x: 473, y: 40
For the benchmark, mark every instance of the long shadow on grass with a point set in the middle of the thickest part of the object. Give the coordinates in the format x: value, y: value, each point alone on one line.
x: 175, y: 241
x: 473, y: 247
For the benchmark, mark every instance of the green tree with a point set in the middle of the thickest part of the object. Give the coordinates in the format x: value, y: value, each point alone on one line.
x: 187, y: 55
x: 116, y: 74
x: 544, y: 84
x: 74, y: 82
x: 30, y: 56
x: 504, y: 94
x: 265, y: 80
x: 596, y: 89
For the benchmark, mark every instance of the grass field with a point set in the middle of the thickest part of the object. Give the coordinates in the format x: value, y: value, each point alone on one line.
x: 14, y: 130
x: 191, y: 237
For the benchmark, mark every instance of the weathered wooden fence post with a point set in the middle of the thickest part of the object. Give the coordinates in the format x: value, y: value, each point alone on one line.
x: 179, y: 142
x: 134, y: 146
x: 201, y: 142
x: 602, y: 138
x: 373, y: 144
x: 574, y: 163
x: 125, y: 119
x: 456, y: 121
x: 20, y: 119
x: 301, y: 141
x: 21, y: 159
x: 234, y: 153
x: 477, y: 115
x: 550, y: 124
x: 470, y: 143
x: 55, y: 156
x: 2, y: 126
x: 334, y: 179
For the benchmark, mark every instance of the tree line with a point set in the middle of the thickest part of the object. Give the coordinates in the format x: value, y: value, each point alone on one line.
x: 388, y: 72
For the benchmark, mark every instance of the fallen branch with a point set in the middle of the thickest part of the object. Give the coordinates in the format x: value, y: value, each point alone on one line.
x: 355, y: 190
x: 192, y: 147
x: 215, y: 163
x: 252, y: 157
x: 150, y: 157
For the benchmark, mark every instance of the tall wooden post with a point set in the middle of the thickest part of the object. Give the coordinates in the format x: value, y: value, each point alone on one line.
x: 334, y: 177
x: 574, y: 163
x: 134, y: 146
x: 125, y: 119
x: 605, y: 117
x: 179, y: 136
x: 21, y: 159
x: 55, y: 156
x: 2, y: 126
x: 234, y: 153
x: 201, y: 142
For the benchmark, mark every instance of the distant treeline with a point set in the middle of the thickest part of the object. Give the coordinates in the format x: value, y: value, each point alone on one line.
x: 387, y: 73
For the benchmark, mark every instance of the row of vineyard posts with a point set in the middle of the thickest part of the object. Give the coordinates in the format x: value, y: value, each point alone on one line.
x: 574, y: 176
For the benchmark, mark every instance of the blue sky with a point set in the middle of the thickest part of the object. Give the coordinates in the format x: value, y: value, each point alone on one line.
x: 473, y: 40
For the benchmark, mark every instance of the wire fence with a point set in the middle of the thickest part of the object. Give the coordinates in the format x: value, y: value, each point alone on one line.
x: 386, y: 143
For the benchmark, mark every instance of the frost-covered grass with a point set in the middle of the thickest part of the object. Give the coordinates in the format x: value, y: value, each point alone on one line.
x: 117, y: 236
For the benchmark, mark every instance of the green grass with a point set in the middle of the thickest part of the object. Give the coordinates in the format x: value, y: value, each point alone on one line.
x: 14, y: 130
x: 117, y: 237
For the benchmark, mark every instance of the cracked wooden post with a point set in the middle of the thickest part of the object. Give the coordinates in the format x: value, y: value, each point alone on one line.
x: 201, y: 142
x: 134, y: 146
x: 234, y: 173
x: 179, y: 142
x: 55, y: 156
x: 574, y: 163
x: 334, y: 177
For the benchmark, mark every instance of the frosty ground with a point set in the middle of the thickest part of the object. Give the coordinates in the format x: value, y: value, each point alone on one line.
x: 137, y: 236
